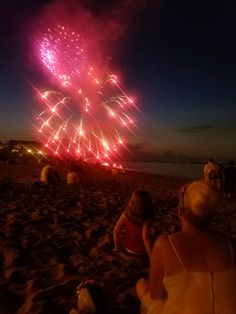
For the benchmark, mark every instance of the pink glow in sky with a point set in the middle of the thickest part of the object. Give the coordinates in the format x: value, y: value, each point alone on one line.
x: 88, y: 113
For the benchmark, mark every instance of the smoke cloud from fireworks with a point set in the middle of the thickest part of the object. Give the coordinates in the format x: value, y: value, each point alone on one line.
x: 88, y: 112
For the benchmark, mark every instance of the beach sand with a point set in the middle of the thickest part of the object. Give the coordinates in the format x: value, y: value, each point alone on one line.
x: 52, y: 238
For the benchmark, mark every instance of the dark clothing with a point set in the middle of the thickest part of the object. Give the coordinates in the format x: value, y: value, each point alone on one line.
x: 229, y: 179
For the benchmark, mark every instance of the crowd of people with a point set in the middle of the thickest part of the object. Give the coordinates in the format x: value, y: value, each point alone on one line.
x: 190, y: 271
x: 50, y: 174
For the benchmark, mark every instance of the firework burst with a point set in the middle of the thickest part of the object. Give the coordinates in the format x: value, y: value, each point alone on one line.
x: 91, y: 112
x: 63, y: 52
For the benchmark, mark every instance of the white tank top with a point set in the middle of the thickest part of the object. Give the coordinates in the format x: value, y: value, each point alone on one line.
x: 200, y: 292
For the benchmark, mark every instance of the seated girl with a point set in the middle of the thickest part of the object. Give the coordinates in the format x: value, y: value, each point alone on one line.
x: 135, y: 222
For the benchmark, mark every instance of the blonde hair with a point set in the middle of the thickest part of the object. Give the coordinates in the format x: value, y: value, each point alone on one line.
x: 139, y: 208
x: 199, y: 202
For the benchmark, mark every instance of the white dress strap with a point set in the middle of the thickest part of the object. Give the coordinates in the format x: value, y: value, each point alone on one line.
x: 231, y: 252
x: 176, y: 252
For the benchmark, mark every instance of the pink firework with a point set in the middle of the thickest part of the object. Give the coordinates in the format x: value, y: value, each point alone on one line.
x: 91, y: 112
x: 63, y: 52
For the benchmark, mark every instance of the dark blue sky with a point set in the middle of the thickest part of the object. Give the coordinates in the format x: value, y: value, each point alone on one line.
x: 176, y: 57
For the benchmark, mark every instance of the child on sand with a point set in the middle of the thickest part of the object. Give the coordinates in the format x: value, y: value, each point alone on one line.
x: 134, y: 221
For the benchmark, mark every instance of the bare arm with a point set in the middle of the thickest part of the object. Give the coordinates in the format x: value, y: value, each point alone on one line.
x: 116, y: 232
x: 156, y: 273
x: 146, y: 239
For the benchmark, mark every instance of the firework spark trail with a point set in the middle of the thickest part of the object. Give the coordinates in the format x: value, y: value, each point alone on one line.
x: 85, y: 116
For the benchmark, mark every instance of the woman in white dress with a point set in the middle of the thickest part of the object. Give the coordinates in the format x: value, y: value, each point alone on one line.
x: 192, y: 271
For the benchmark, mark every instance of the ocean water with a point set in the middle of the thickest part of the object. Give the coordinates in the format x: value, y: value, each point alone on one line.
x: 184, y: 170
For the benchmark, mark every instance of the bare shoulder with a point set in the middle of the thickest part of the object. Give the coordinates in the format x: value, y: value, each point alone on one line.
x: 160, y: 249
x: 163, y: 238
x: 161, y: 241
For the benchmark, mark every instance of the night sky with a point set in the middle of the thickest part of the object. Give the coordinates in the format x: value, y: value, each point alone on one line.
x: 178, y: 59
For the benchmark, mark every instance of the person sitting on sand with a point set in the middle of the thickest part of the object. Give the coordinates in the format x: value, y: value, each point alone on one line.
x: 46, y: 174
x: 134, y: 221
x: 49, y: 175
x: 72, y: 175
x: 194, y: 270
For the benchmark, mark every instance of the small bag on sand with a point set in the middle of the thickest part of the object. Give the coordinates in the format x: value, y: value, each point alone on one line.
x: 89, y: 298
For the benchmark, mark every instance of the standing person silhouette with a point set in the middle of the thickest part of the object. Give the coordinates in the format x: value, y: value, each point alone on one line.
x: 229, y: 180
x: 211, y: 172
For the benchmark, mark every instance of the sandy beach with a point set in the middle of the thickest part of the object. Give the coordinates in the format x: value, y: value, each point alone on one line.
x: 52, y: 238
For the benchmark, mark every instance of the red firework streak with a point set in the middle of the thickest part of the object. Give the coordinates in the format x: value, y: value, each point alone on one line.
x: 89, y: 113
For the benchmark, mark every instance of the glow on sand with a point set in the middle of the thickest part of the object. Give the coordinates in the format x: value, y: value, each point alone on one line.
x: 89, y: 113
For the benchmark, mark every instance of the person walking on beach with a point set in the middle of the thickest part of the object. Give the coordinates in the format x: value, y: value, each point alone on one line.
x: 193, y: 270
x: 229, y: 180
x: 211, y: 171
x: 135, y: 222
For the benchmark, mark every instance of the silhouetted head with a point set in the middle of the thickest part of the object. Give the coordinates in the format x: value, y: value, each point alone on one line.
x: 72, y: 168
x: 139, y: 208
